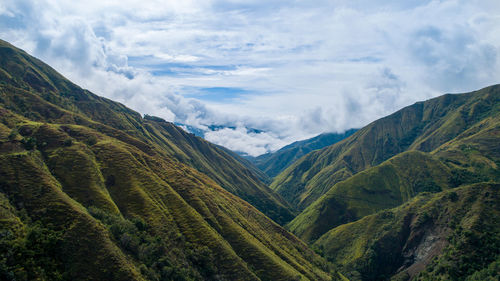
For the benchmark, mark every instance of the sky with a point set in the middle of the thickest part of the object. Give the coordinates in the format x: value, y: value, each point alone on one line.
x: 268, y: 72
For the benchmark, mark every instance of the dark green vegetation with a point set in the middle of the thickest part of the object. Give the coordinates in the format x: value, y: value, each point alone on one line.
x: 274, y: 163
x: 90, y: 190
x: 452, y: 235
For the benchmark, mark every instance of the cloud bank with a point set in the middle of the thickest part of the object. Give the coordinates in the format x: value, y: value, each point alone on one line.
x: 290, y: 69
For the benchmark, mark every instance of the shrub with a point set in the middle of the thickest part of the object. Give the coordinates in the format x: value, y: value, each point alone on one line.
x: 92, y: 140
x: 29, y: 143
x: 452, y: 196
x: 32, y: 256
x: 152, y: 252
x: 13, y: 134
x: 68, y: 142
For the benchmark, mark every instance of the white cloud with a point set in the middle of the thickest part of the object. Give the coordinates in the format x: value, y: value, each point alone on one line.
x: 303, y: 67
x: 241, y: 140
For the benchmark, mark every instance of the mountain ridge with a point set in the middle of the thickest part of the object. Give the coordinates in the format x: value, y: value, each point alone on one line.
x: 275, y: 162
x: 116, y: 116
x: 466, y: 158
x: 90, y: 190
x: 420, y: 126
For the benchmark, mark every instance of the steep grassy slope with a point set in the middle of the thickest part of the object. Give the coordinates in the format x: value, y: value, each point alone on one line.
x: 274, y: 163
x: 47, y: 92
x: 424, y: 126
x: 452, y: 235
x: 91, y: 191
x: 384, y: 186
x: 249, y: 165
x: 223, y: 167
x: 472, y: 156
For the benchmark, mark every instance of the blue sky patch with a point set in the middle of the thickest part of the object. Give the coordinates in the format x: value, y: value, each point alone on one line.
x: 215, y: 94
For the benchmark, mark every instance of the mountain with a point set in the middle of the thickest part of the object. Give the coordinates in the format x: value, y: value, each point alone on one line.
x: 211, y: 128
x: 423, y: 126
x: 225, y: 167
x: 150, y: 132
x: 90, y: 190
x: 443, y: 189
x: 274, y: 163
x: 201, y: 132
x: 247, y: 163
x: 470, y: 157
x: 451, y: 235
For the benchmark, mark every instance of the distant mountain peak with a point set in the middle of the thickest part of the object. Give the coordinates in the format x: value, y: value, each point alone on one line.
x: 273, y: 163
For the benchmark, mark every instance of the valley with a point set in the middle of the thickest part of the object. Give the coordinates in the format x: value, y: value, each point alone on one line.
x: 93, y: 190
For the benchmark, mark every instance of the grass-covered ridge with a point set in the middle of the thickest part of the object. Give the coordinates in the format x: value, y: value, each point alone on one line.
x: 274, y: 163
x: 470, y: 157
x: 37, y: 92
x: 423, y: 126
x: 382, y: 187
x: 120, y: 197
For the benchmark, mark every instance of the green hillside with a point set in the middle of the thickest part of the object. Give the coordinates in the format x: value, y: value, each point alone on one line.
x: 90, y: 190
x: 424, y: 126
x: 452, y: 235
x: 384, y: 186
x: 274, y: 163
x: 224, y: 167
x: 472, y: 156
x: 248, y: 163
x: 49, y: 92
